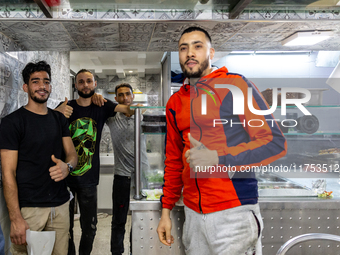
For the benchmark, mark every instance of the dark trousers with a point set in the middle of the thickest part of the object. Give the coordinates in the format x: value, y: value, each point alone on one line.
x: 120, y: 208
x: 87, y: 200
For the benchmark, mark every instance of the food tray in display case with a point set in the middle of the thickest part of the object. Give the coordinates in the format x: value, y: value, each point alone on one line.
x: 271, y: 185
x: 154, y: 120
x: 154, y: 179
x: 323, y: 157
x: 153, y: 127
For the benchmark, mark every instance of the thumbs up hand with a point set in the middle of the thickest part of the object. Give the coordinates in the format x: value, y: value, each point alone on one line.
x: 59, y: 171
x: 199, y: 155
x: 65, y: 109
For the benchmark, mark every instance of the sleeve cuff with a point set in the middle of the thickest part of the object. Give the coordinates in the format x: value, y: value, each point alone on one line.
x: 166, y: 205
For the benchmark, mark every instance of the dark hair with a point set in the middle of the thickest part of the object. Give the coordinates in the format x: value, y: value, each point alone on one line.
x: 83, y: 71
x: 192, y: 29
x: 127, y: 85
x: 35, y: 67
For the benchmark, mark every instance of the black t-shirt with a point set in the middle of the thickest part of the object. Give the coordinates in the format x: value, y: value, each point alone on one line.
x: 86, y: 125
x: 36, y: 138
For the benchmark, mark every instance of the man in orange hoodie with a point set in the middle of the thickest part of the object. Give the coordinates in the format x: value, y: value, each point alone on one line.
x: 213, y: 139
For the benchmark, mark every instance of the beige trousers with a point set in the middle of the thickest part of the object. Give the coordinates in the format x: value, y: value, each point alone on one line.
x: 47, y: 219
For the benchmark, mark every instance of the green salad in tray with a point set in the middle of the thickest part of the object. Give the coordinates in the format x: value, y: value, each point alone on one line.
x: 152, y: 194
x: 155, y: 177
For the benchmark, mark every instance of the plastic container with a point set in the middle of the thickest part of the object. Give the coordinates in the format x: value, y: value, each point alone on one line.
x: 316, y: 96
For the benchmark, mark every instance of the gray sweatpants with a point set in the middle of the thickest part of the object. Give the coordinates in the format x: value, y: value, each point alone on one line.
x: 233, y: 231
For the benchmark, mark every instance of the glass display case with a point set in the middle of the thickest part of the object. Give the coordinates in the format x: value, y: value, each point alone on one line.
x: 289, y: 206
x: 150, y: 128
x: 324, y: 120
x: 313, y: 151
x: 313, y: 143
x: 311, y: 139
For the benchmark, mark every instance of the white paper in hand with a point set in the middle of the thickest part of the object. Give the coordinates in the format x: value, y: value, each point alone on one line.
x: 40, y: 243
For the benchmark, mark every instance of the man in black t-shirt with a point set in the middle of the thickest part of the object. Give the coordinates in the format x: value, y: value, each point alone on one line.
x: 86, y: 121
x: 33, y: 140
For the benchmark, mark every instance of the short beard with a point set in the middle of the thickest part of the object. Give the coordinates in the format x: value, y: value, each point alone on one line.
x: 198, y: 74
x: 83, y: 95
x: 38, y: 100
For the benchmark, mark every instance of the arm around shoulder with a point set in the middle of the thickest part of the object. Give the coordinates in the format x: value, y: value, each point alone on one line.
x: 124, y: 109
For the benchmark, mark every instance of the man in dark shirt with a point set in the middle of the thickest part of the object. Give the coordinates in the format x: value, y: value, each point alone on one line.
x: 33, y: 140
x: 86, y: 123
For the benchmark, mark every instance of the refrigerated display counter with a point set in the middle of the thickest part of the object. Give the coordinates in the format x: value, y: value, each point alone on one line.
x: 290, y: 205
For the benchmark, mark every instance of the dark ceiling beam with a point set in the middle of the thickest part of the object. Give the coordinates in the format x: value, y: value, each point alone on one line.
x: 239, y: 7
x: 73, y: 72
x: 44, y: 8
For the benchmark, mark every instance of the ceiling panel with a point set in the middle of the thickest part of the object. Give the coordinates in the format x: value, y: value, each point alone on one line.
x: 91, y: 27
x: 151, y: 4
x: 109, y: 62
x: 160, y: 36
x: 155, y: 26
x: 292, y: 3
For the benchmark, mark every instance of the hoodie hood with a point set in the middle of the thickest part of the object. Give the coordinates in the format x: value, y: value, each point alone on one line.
x: 221, y: 72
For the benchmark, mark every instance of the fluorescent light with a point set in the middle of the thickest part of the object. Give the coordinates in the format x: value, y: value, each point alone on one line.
x: 242, y: 52
x: 130, y: 71
x: 13, y: 54
x: 306, y: 38
x: 283, y: 52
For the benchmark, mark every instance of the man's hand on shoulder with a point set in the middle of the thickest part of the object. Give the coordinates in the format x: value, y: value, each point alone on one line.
x: 124, y: 109
x: 98, y: 99
x: 65, y: 109
x: 59, y: 171
x: 143, y: 110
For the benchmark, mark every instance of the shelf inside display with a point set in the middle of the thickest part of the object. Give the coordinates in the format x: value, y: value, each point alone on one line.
x: 290, y: 135
x: 147, y: 107
x: 153, y: 127
x: 313, y: 106
x: 315, y: 134
x: 153, y: 133
x: 153, y: 121
x: 288, y: 106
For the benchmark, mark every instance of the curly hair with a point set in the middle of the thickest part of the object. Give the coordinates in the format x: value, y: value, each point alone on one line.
x: 35, y: 67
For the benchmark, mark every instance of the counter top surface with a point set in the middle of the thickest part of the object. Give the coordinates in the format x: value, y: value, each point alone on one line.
x: 275, y: 203
x: 279, y: 202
